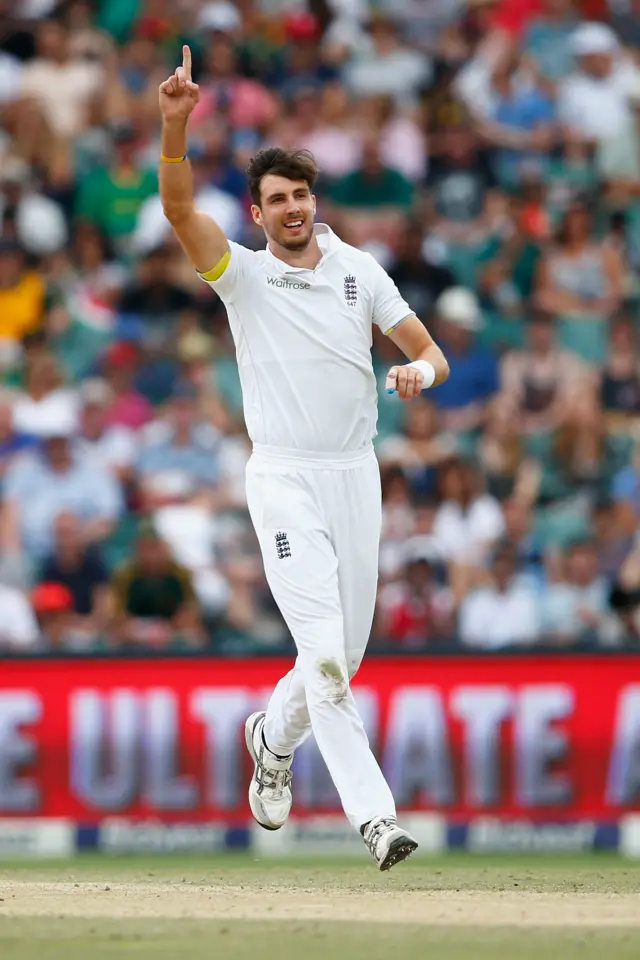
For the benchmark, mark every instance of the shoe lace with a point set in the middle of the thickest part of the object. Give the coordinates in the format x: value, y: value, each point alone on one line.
x: 375, y: 830
x: 276, y: 781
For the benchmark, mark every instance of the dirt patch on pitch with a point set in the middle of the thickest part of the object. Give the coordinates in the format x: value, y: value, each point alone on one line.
x: 272, y: 902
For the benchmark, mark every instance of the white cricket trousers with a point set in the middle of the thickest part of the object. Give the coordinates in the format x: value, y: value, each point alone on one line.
x: 318, y: 523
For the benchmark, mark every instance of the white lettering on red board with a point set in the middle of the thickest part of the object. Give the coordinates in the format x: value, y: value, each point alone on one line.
x: 128, y: 748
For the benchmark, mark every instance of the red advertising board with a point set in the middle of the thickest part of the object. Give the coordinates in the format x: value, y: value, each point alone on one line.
x: 549, y: 737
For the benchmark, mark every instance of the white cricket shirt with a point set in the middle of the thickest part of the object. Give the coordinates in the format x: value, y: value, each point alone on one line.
x: 303, y: 343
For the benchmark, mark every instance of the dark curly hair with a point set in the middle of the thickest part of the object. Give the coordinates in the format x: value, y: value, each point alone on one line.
x: 292, y: 164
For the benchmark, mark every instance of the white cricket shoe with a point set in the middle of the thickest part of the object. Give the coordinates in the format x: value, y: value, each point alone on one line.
x: 388, y: 843
x: 270, y: 788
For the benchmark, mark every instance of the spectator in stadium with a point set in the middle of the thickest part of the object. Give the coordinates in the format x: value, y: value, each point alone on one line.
x: 335, y: 141
x: 582, y: 451
x: 579, y: 276
x: 181, y: 445
x: 373, y: 199
x: 111, y: 196
x: 501, y: 450
x: 152, y: 292
x: 397, y: 506
x: 620, y: 378
x: 519, y: 531
x: 53, y: 607
x: 468, y: 520
x: 625, y: 490
x: 421, y: 448
x: 420, y: 281
x: 105, y: 446
x: 152, y: 598
x: 184, y: 520
x: 474, y: 372
x: 547, y: 39
x: 613, y: 544
x: 541, y: 379
x: 574, y: 608
x: 507, y: 267
x: 403, y: 143
x: 460, y: 186
x: 22, y: 297
x: 128, y: 407
x: 79, y: 566
x: 35, y: 221
x: 622, y: 627
x: 594, y: 100
x: 196, y: 350
x: 66, y: 88
x: 520, y: 123
x: 303, y: 64
x: 43, y: 484
x: 505, y: 611
x: 45, y: 397
x: 416, y: 611
x: 387, y: 67
x: 12, y: 441
x: 243, y: 102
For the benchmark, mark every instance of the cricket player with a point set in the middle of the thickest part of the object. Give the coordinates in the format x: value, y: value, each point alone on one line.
x: 301, y: 314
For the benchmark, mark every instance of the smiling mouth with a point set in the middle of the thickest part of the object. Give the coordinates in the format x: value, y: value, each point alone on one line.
x: 294, y: 224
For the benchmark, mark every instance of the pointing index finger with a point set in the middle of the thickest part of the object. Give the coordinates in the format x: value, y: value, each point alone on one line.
x: 186, y: 61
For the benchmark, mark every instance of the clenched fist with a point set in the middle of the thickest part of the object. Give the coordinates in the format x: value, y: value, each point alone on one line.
x: 179, y: 94
x: 406, y: 380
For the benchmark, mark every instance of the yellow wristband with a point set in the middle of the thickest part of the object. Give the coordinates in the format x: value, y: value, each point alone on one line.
x: 172, y: 159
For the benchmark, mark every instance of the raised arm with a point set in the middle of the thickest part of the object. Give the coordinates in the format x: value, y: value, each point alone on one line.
x: 204, y: 242
x: 415, y: 341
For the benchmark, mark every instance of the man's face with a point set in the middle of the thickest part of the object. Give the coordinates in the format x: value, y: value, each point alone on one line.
x: 371, y: 160
x: 419, y: 574
x: 504, y: 567
x: 541, y: 336
x: 94, y: 420
x: 286, y: 212
x: 598, y: 65
x: 58, y: 453
x: 52, y: 41
x: 184, y: 413
x: 582, y: 565
x: 67, y: 531
x: 455, y: 336
x: 152, y: 555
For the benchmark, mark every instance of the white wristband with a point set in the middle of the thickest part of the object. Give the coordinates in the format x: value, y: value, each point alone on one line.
x: 426, y: 370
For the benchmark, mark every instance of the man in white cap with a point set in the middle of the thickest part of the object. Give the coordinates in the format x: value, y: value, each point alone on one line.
x: 594, y: 102
x: 474, y: 372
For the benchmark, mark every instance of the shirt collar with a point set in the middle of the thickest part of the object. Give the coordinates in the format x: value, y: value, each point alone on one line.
x: 328, y: 242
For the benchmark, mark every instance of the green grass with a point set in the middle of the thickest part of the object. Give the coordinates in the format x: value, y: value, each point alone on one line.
x: 34, y: 927
x: 309, y: 941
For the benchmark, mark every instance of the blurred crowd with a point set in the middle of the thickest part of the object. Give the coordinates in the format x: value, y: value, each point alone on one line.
x: 486, y: 152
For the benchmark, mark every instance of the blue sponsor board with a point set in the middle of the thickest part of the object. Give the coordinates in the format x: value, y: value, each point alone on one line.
x: 116, y: 835
x: 494, y: 835
x: 481, y: 835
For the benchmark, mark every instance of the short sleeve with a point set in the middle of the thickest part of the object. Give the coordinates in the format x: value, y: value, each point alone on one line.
x: 389, y: 307
x: 229, y: 276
